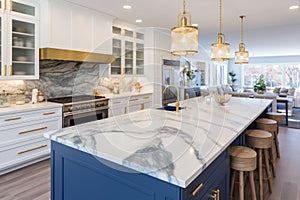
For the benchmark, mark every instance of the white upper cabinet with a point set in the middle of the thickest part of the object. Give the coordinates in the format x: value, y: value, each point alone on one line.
x: 128, y: 49
x: 69, y: 26
x: 19, y: 40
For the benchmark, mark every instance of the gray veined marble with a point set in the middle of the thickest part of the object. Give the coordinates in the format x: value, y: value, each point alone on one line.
x: 173, y: 147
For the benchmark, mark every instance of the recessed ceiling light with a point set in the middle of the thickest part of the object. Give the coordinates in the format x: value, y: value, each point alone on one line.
x: 195, y: 25
x: 138, y: 21
x: 127, y: 7
x: 293, y: 7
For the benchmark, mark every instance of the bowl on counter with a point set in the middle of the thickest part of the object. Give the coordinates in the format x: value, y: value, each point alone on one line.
x: 222, y: 99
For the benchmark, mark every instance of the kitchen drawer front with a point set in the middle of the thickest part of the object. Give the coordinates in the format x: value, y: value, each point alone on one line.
x: 113, y: 103
x: 117, y: 111
x: 140, y: 99
x: 20, y: 117
x: 23, y: 152
x: 26, y: 131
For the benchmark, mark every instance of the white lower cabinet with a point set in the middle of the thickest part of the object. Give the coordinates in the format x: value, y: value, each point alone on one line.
x: 128, y: 104
x: 22, y: 141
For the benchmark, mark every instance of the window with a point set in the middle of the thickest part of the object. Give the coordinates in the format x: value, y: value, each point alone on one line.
x: 285, y: 75
x: 251, y: 74
x: 292, y: 75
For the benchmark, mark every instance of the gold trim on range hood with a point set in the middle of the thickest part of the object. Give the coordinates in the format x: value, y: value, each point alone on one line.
x: 70, y: 55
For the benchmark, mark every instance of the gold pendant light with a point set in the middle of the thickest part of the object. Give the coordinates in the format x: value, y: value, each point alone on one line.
x: 184, y: 38
x: 241, y: 56
x: 220, y: 51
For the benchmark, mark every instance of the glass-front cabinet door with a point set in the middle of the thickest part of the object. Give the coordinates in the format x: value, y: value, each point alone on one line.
x: 25, y: 8
x: 128, y: 57
x: 19, y: 40
x: 23, y: 51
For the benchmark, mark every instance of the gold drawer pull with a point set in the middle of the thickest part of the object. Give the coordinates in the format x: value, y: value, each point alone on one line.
x: 146, y: 97
x: 217, y: 192
x: 197, y: 189
x: 142, y: 106
x: 29, y: 131
x: 29, y: 150
x: 116, y: 102
x: 4, y: 7
x: 49, y: 113
x: 10, y: 5
x: 133, y: 99
x: 12, y: 119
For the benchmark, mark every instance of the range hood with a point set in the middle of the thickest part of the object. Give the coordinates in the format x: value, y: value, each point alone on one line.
x: 78, y: 56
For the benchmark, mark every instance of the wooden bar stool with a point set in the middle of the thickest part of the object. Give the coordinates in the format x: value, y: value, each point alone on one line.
x: 278, y: 117
x: 261, y: 141
x: 242, y: 159
x: 270, y: 125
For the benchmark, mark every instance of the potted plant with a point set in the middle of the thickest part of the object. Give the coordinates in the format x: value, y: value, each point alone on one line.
x: 232, y: 80
x: 260, y: 86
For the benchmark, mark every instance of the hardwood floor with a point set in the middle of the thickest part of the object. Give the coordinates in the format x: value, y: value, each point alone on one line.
x: 33, y: 182
x: 29, y: 183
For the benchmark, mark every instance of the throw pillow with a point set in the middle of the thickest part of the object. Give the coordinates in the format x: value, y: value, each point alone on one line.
x: 283, y: 90
x: 291, y: 91
x: 276, y: 90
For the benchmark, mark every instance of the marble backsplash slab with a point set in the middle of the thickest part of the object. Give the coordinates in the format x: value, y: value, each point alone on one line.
x: 64, y: 78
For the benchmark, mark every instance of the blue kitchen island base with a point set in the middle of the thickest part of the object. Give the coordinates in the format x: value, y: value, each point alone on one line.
x: 76, y: 175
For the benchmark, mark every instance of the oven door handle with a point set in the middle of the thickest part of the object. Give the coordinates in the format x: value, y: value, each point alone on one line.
x: 78, y: 112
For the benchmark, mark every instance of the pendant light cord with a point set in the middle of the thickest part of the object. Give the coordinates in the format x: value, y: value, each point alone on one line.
x: 184, y: 5
x: 242, y: 29
x: 220, y: 17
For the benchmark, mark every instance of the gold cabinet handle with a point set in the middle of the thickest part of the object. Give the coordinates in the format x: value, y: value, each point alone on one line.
x: 12, y: 119
x: 214, y: 196
x: 10, y: 70
x: 217, y: 192
x: 116, y: 102
x: 4, y: 71
x: 29, y: 150
x: 48, y: 113
x: 142, y: 106
x: 4, y: 7
x: 133, y: 99
x: 197, y: 189
x: 146, y: 97
x: 10, y: 5
x: 33, y: 130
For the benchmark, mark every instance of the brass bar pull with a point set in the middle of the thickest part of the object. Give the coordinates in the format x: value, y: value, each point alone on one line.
x: 10, y: 5
x: 214, y: 196
x: 117, y: 102
x: 217, y: 192
x: 4, y: 71
x: 29, y: 150
x: 49, y: 113
x: 146, y: 97
x: 10, y: 70
x: 133, y: 99
x: 33, y: 130
x: 4, y: 7
x: 197, y: 189
x: 12, y: 119
x: 142, y: 106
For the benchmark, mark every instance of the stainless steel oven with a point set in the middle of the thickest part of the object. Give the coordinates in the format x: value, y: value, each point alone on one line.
x: 82, y: 109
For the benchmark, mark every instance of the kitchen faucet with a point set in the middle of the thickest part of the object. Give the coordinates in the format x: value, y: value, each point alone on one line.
x: 177, y: 101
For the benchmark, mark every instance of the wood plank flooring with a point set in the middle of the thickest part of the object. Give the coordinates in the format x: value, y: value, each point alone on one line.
x: 33, y: 182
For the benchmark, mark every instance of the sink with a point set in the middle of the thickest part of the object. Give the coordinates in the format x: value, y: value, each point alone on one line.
x: 170, y: 108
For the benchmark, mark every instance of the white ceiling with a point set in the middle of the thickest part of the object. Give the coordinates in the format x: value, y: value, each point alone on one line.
x: 271, y: 29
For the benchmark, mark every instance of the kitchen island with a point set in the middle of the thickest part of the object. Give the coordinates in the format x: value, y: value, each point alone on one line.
x: 152, y: 154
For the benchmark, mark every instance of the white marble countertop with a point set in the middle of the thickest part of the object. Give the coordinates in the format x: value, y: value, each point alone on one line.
x: 173, y: 147
x: 125, y: 94
x: 13, y: 108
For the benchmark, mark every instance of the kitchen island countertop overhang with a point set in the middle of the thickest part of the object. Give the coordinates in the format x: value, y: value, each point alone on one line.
x: 173, y: 147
